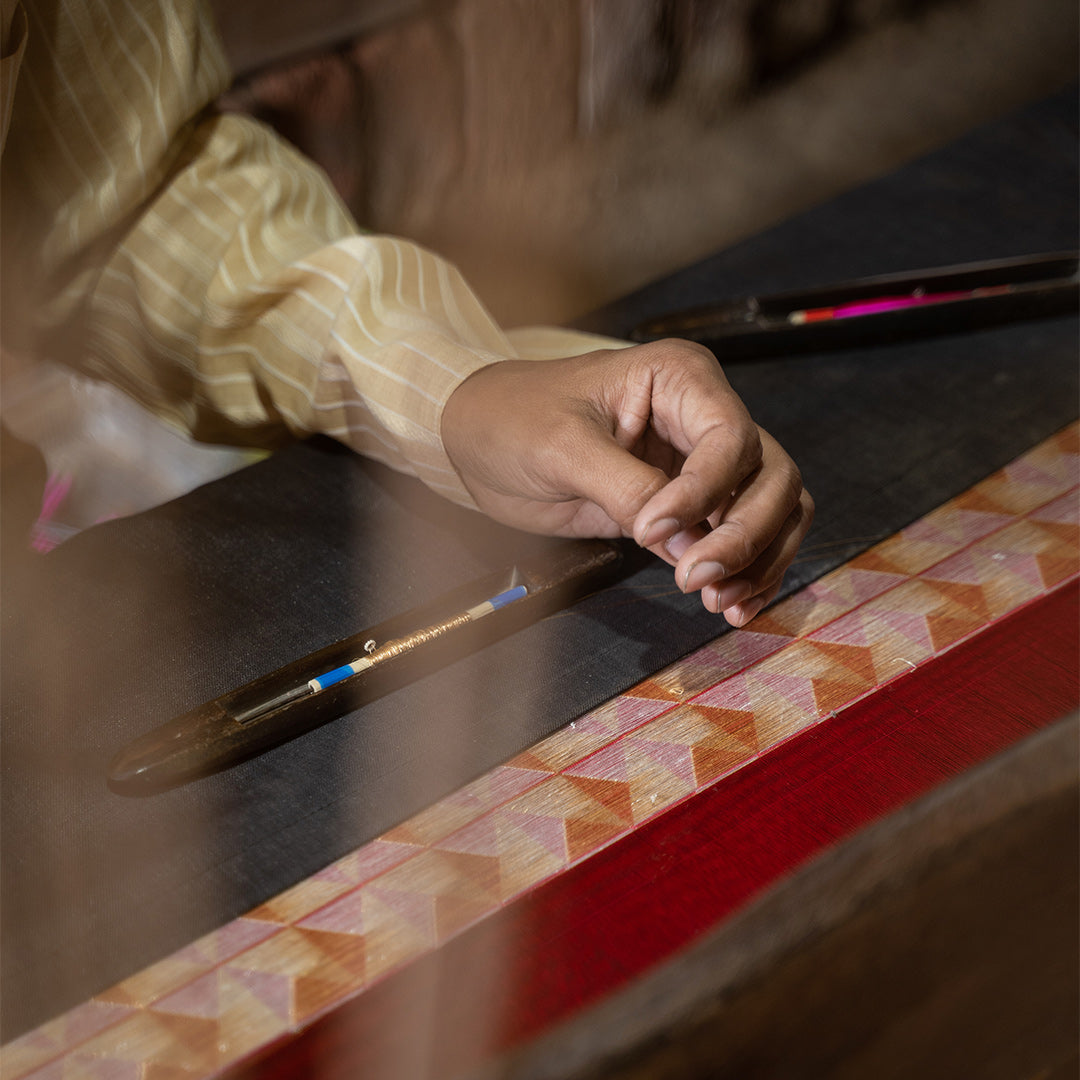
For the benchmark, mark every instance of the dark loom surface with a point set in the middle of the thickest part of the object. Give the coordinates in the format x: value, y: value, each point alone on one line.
x: 138, y: 620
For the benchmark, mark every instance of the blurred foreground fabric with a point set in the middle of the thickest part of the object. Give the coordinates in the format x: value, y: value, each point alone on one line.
x: 563, y: 152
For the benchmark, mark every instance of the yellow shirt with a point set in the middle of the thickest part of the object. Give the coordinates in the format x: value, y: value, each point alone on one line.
x: 203, y: 265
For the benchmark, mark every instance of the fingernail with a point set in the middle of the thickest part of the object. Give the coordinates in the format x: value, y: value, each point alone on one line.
x: 743, y: 613
x: 700, y: 574
x: 657, y: 530
x: 734, y: 592
x: 677, y: 545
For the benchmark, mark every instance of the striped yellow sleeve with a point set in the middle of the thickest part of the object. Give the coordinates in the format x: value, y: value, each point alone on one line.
x: 204, y: 266
x: 246, y: 303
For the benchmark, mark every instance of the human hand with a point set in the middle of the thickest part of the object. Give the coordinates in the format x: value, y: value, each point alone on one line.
x: 649, y: 442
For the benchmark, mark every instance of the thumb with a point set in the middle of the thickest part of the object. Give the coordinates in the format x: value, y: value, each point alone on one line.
x: 602, y: 472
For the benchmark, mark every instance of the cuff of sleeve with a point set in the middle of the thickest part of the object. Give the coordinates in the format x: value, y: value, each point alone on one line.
x: 427, y: 455
x: 396, y: 416
x: 407, y: 332
x: 552, y: 342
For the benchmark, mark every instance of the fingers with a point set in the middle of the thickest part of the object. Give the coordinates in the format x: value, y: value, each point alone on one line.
x: 607, y: 476
x: 739, y: 564
x: 695, y: 410
x: 649, y: 441
x: 753, y: 517
x: 665, y: 442
x: 732, y: 517
x: 703, y: 490
x: 742, y: 596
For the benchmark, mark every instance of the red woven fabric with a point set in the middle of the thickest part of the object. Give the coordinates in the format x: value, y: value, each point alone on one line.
x: 633, y: 905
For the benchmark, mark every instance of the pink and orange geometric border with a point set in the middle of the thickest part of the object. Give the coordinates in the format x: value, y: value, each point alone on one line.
x: 1012, y: 538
